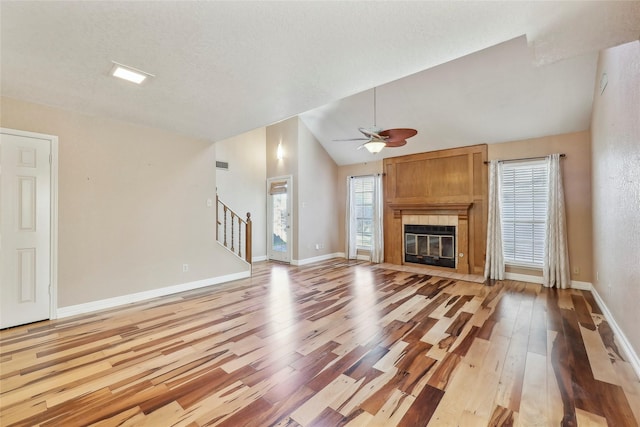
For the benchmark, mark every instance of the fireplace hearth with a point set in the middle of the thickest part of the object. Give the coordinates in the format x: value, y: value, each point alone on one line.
x: 430, y: 244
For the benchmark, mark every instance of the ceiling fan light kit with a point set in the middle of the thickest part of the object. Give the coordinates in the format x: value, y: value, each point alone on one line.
x: 374, y: 147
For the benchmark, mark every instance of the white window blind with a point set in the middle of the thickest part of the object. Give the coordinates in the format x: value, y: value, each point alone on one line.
x: 524, y: 212
x: 363, y: 192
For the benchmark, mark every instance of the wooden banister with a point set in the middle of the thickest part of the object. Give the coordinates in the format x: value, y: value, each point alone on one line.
x: 234, y: 244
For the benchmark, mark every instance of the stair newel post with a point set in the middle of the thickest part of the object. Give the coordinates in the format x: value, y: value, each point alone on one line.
x: 247, y: 239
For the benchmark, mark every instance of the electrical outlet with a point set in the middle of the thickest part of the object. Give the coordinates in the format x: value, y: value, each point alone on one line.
x: 597, y: 276
x: 317, y: 246
x: 185, y: 268
x: 576, y: 270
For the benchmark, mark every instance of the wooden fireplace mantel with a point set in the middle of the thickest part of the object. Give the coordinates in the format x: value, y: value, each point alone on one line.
x: 460, y: 209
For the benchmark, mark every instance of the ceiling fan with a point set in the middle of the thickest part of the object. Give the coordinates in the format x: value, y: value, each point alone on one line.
x: 378, y: 138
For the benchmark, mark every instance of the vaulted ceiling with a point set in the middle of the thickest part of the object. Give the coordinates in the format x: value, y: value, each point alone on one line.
x: 460, y: 72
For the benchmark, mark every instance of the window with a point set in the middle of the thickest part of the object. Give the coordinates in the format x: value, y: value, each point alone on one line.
x: 524, y: 212
x: 363, y: 198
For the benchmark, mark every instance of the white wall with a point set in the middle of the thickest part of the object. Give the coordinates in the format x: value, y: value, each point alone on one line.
x: 615, y: 131
x: 242, y: 187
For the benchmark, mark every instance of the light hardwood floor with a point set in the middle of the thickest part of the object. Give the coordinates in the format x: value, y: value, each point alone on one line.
x: 335, y: 343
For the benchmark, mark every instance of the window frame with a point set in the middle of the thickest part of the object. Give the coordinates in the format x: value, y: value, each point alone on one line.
x: 359, y: 185
x: 533, y: 206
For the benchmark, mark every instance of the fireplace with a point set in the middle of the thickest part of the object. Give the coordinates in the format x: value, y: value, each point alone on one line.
x: 454, y: 215
x: 430, y: 244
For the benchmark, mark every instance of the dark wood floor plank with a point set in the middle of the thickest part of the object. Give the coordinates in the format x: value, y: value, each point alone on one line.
x: 615, y: 405
x: 422, y: 409
x: 583, y: 382
x: 582, y: 312
x: 444, y: 370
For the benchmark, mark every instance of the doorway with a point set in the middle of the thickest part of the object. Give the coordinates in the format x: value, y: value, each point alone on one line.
x: 279, y: 204
x: 28, y: 227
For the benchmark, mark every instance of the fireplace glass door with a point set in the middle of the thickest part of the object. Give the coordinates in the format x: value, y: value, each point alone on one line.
x: 433, y: 245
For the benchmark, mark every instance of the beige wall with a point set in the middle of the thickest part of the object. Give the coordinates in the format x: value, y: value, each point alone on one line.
x: 359, y: 169
x: 242, y: 187
x: 132, y: 204
x: 576, y: 170
x: 615, y: 130
x: 317, y: 200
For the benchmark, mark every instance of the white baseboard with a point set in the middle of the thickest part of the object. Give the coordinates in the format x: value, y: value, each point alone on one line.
x: 575, y: 284
x: 317, y: 258
x: 523, y: 277
x: 583, y: 286
x: 259, y: 258
x: 621, y: 338
x: 92, y: 306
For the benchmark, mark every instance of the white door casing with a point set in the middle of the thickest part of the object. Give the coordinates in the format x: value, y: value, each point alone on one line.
x: 279, y: 218
x: 28, y: 225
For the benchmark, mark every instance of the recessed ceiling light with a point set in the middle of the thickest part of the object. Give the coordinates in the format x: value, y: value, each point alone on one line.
x: 129, y: 73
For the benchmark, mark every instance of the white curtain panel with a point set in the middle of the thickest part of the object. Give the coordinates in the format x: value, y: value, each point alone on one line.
x: 494, y: 264
x: 556, y: 270
x: 377, y: 249
x: 350, y: 223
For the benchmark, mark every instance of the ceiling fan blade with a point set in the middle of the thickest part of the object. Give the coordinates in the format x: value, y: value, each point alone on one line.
x: 371, y: 134
x: 352, y: 139
x: 396, y: 143
x: 397, y: 135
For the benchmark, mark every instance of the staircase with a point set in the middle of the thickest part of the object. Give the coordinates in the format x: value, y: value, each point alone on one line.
x: 232, y: 231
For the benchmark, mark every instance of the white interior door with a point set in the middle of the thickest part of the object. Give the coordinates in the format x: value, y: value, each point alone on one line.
x: 279, y: 197
x: 25, y: 228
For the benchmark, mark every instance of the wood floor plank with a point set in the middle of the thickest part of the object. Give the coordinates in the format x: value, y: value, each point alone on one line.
x: 422, y: 409
x: 555, y: 399
x: 587, y: 419
x: 482, y: 402
x: 334, y: 393
x: 462, y: 386
x: 533, y: 403
x: 598, y: 356
x: 332, y: 343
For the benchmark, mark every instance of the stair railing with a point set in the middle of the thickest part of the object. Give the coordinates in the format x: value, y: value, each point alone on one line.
x: 234, y: 228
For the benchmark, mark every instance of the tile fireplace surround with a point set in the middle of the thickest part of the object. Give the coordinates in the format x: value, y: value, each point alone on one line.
x: 438, y: 214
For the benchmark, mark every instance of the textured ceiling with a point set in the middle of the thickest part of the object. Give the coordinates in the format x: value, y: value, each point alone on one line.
x: 223, y: 68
